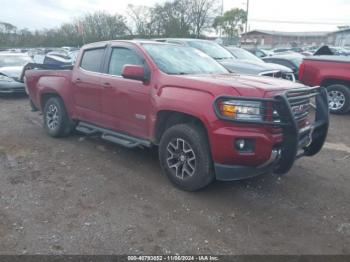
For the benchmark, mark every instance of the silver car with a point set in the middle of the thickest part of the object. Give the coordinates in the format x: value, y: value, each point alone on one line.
x: 11, y: 66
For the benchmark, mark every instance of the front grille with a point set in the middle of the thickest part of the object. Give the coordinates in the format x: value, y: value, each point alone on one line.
x: 301, y: 105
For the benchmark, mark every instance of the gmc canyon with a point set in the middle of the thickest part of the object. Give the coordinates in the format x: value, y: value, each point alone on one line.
x: 208, y: 123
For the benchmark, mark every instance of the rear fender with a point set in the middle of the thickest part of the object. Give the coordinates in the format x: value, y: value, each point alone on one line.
x: 59, y: 86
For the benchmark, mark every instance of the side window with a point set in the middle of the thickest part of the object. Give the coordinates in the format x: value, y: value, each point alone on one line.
x: 120, y: 57
x: 92, y: 59
x: 259, y: 54
x: 284, y: 62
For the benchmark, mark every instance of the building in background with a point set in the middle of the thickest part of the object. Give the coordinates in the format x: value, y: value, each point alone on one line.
x: 342, y: 37
x: 273, y: 39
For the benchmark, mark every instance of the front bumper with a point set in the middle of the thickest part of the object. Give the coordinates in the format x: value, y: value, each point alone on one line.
x: 231, y: 173
x: 297, y: 141
x: 11, y: 87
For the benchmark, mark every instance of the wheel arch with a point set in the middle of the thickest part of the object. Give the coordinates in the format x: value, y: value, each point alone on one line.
x: 44, y: 97
x: 169, y: 118
x: 335, y: 81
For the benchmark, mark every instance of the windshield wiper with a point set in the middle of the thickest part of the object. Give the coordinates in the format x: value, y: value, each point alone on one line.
x: 179, y: 73
x: 222, y: 58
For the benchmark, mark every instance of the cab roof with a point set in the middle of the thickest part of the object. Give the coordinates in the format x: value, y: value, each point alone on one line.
x: 134, y: 41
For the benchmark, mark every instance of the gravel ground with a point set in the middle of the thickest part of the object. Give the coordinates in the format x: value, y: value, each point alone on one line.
x: 81, y: 195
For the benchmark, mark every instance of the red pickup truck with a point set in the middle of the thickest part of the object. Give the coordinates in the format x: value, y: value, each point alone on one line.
x: 333, y: 73
x: 208, y: 123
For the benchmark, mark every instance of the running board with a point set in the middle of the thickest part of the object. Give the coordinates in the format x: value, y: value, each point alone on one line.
x: 112, y: 136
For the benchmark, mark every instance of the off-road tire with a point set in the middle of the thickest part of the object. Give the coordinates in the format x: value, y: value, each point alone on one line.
x: 345, y: 91
x: 196, y: 140
x: 63, y: 126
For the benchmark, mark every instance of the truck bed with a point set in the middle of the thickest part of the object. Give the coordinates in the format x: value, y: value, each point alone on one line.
x: 329, y: 58
x: 42, y: 67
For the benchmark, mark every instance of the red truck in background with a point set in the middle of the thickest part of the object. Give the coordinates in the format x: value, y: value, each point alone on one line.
x: 333, y: 73
x: 208, y: 123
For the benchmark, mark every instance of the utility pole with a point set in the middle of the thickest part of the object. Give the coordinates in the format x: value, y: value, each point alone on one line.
x: 222, y: 13
x: 246, y: 24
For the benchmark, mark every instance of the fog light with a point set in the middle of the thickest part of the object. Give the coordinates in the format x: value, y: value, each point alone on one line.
x: 240, y: 144
x: 245, y: 145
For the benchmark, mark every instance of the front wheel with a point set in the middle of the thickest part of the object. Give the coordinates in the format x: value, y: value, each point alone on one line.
x: 339, y: 99
x: 56, y: 119
x: 185, y: 157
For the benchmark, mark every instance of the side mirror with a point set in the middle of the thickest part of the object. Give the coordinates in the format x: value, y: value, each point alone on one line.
x: 135, y: 72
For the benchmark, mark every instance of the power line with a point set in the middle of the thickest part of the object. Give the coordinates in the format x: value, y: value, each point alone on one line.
x: 246, y: 24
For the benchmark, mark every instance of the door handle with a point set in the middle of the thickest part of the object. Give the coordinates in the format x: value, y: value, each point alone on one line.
x: 78, y: 80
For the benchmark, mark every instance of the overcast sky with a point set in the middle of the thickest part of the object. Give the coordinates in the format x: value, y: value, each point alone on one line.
x: 307, y: 15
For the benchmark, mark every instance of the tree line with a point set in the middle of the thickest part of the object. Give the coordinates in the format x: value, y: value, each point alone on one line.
x: 177, y: 18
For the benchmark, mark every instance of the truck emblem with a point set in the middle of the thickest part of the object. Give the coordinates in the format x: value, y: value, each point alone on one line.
x: 300, y: 109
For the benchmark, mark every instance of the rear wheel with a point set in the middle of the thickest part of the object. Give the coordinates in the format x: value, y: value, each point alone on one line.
x: 185, y: 157
x: 339, y: 98
x: 56, y: 120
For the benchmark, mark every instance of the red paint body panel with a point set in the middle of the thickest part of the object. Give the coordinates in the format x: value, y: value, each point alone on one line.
x: 317, y: 71
x: 131, y: 106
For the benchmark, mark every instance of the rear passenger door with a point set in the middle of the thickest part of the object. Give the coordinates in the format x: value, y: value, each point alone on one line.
x: 125, y: 102
x: 86, y: 85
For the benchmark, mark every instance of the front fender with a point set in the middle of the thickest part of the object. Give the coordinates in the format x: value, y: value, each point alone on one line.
x: 186, y: 100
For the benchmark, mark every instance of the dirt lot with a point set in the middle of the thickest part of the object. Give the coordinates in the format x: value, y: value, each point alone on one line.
x: 82, y: 195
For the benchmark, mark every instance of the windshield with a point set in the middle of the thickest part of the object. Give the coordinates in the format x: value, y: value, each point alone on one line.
x: 212, y: 49
x: 11, y: 60
x: 174, y: 59
x: 244, y: 55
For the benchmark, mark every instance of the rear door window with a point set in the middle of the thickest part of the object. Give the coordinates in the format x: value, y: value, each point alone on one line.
x: 92, y: 59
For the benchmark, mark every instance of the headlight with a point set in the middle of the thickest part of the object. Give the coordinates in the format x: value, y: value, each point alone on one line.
x: 241, y: 110
x: 6, y: 78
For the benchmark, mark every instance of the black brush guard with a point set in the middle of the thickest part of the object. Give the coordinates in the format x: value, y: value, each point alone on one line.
x: 294, y: 143
x: 297, y: 142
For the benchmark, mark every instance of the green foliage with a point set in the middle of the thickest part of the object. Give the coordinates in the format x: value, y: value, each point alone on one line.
x: 178, y: 18
x: 175, y: 18
x: 231, y: 22
x: 98, y: 26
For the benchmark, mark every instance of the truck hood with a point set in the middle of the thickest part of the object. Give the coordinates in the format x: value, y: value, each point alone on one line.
x: 251, y: 67
x: 246, y: 85
x: 12, y: 71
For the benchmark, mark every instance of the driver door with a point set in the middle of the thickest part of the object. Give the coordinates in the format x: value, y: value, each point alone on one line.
x: 125, y: 102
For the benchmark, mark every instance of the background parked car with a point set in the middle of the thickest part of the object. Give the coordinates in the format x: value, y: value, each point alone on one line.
x: 11, y: 67
x: 73, y: 55
x: 281, y: 50
x: 340, y: 51
x: 292, y: 61
x: 229, y: 61
x: 60, y: 58
x: 247, y: 58
x: 260, y: 52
